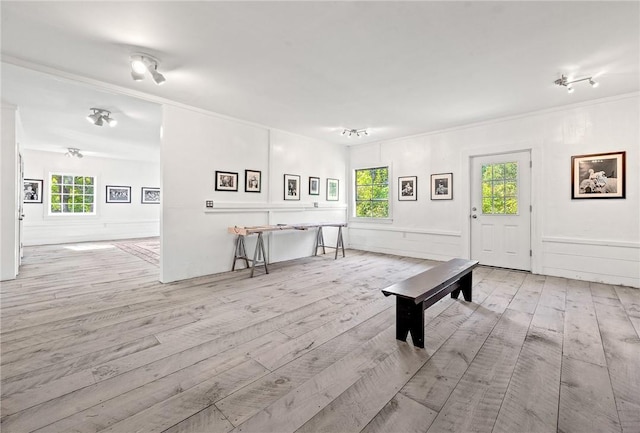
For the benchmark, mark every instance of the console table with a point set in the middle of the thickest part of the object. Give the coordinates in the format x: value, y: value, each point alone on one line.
x: 259, y: 254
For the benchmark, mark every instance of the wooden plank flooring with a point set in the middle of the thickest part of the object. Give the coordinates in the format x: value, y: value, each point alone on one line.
x: 91, y: 342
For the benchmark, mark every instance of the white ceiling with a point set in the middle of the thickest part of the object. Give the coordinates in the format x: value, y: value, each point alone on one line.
x: 313, y: 68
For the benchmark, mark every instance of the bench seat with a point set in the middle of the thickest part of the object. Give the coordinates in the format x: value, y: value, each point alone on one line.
x: 417, y: 293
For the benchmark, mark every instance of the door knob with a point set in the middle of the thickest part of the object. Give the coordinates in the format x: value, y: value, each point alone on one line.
x: 474, y: 216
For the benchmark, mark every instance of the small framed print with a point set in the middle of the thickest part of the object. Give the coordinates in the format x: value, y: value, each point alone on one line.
x: 252, y: 180
x: 118, y: 194
x: 314, y: 186
x: 600, y: 175
x: 333, y: 189
x: 32, y: 191
x: 226, y: 181
x: 291, y: 187
x: 442, y: 186
x: 408, y: 188
x: 150, y: 195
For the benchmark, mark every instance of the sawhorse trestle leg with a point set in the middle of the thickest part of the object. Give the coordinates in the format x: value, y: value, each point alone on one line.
x: 339, y: 243
x: 240, y: 253
x: 320, y: 243
x: 259, y: 256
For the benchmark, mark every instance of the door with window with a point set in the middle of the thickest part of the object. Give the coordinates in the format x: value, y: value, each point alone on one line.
x: 501, y: 210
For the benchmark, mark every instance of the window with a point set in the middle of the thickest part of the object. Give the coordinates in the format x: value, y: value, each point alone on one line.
x: 500, y: 189
x: 72, y: 194
x: 372, y: 192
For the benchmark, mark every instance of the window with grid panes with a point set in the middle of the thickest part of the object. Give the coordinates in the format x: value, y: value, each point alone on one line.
x: 71, y: 194
x: 372, y: 192
x: 500, y: 189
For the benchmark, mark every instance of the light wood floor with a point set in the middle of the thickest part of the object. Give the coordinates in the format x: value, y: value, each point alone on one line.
x: 92, y: 342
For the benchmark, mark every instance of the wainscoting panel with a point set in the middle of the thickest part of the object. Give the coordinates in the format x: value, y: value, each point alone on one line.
x: 592, y: 260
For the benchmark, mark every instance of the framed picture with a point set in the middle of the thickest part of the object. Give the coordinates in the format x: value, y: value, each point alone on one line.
x: 314, y: 186
x: 226, y: 181
x: 32, y: 191
x: 118, y: 194
x: 252, y: 180
x: 333, y: 189
x: 408, y: 188
x: 442, y: 186
x: 600, y: 175
x: 291, y: 187
x: 150, y: 195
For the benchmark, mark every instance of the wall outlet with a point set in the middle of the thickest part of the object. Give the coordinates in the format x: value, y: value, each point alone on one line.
x: 315, y: 204
x: 209, y: 203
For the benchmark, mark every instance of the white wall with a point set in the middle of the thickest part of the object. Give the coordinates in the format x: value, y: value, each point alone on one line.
x: 9, y: 173
x: 595, y: 240
x: 112, y: 220
x: 194, y: 145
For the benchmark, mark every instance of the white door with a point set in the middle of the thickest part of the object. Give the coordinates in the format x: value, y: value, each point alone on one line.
x: 501, y: 210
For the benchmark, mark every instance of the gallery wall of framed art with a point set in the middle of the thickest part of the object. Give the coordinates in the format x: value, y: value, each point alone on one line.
x: 112, y: 205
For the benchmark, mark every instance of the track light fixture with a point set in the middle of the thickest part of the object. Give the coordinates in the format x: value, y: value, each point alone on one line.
x: 565, y: 82
x: 100, y: 116
x: 357, y: 132
x: 141, y: 63
x: 72, y: 152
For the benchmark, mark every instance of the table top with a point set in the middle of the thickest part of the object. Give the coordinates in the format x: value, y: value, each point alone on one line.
x: 240, y: 230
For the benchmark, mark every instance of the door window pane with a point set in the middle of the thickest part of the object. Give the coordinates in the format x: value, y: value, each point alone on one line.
x: 500, y: 189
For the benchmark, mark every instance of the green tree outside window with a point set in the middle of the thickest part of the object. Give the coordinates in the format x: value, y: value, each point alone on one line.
x: 72, y: 194
x: 500, y: 189
x: 372, y: 192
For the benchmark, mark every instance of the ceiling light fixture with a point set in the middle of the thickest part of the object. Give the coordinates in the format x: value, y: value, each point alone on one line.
x: 566, y: 82
x: 357, y: 132
x: 73, y: 152
x: 100, y: 116
x: 141, y: 63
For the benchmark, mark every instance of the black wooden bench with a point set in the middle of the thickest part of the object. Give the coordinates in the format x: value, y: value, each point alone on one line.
x: 416, y: 294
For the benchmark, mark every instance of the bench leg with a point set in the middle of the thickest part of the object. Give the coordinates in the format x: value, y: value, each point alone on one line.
x: 464, y: 285
x: 409, y: 318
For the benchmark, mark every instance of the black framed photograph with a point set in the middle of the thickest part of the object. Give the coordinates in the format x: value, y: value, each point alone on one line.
x: 150, y: 195
x: 442, y: 186
x: 226, y: 181
x: 32, y: 191
x: 408, y: 188
x: 333, y: 188
x: 118, y: 194
x: 599, y: 175
x: 314, y: 186
x: 252, y: 180
x: 291, y: 187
